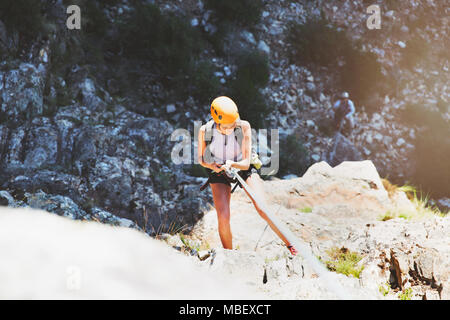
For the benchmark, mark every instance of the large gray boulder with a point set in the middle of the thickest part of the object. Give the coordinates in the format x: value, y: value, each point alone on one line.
x: 343, y: 150
x: 21, y: 92
x: 49, y: 257
x: 340, y: 207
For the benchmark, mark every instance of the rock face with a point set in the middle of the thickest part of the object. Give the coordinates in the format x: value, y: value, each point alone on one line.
x: 93, y: 153
x: 340, y: 207
x: 21, y: 92
x: 57, y: 258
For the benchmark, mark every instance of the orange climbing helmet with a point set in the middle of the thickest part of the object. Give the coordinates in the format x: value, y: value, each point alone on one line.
x: 224, y: 110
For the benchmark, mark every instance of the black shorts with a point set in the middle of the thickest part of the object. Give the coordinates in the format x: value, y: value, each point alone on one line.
x: 223, y: 178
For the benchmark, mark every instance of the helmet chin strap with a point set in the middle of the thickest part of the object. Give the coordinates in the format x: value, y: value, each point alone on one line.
x: 225, y: 130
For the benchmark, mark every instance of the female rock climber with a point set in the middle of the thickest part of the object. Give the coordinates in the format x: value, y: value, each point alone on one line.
x: 226, y: 142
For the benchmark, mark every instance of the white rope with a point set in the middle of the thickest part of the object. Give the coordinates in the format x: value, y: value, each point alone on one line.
x: 330, y: 280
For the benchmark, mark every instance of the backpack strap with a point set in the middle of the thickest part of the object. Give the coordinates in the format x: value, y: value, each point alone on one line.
x: 239, y: 134
x: 208, y: 138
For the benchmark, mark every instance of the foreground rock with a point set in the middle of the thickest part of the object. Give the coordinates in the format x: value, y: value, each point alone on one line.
x: 49, y: 257
x: 344, y: 208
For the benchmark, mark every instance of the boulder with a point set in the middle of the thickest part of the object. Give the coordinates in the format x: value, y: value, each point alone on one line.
x: 57, y: 258
x: 263, y: 47
x: 21, y: 92
x: 334, y: 207
x: 6, y: 199
x: 343, y: 150
x: 60, y: 205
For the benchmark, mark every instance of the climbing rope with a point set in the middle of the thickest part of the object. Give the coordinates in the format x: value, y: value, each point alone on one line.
x: 330, y: 280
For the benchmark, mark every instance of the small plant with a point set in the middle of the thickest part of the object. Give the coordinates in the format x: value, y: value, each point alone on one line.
x: 294, y: 157
x: 162, y: 180
x: 205, y: 86
x: 326, y: 126
x: 420, y: 203
x: 405, y: 294
x: 306, y: 210
x: 317, y: 41
x: 388, y: 215
x: 251, y: 76
x: 174, y: 227
x: 167, y: 41
x: 344, y: 261
x: 241, y: 12
x: 196, y: 170
x: 188, y: 243
x: 384, y: 289
x: 277, y: 257
x: 22, y: 16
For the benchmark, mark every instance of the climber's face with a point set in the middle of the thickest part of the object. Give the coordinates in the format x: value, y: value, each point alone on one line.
x: 227, y: 128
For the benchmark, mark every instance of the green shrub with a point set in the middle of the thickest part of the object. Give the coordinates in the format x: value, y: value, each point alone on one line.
x: 87, y: 46
x: 253, y: 67
x: 361, y: 75
x: 316, y: 42
x: 432, y: 152
x: 251, y: 76
x: 251, y: 103
x: 204, y: 85
x: 196, y: 170
x: 242, y: 12
x: 162, y: 180
x: 384, y: 289
x: 432, y: 157
x: 294, y: 157
x: 164, y: 45
x: 344, y: 261
x: 320, y: 43
x: 22, y: 16
x: 167, y: 41
x: 93, y: 17
x: 405, y: 294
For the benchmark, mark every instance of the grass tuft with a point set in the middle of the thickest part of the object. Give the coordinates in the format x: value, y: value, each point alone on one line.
x: 306, y: 210
x: 422, y: 209
x: 344, y: 261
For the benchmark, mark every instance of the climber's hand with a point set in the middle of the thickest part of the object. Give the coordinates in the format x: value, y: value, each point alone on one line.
x: 217, y: 168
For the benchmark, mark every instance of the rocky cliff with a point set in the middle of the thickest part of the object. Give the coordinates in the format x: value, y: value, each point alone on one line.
x: 75, y: 125
x: 379, y: 244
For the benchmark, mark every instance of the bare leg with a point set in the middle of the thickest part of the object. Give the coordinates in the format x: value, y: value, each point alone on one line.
x: 221, y: 196
x: 255, y: 183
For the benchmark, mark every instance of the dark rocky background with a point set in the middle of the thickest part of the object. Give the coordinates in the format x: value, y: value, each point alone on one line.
x: 86, y: 115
